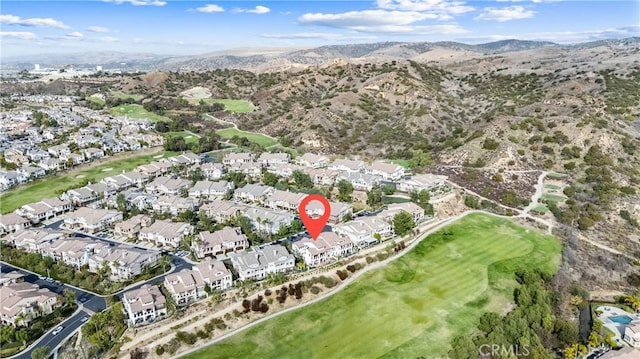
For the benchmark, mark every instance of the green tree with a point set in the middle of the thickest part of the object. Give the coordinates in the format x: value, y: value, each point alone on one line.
x: 269, y: 179
x: 41, y: 352
x: 420, y: 160
x: 403, y: 223
x: 345, y: 189
x: 374, y: 197
x: 69, y: 297
x: 302, y: 179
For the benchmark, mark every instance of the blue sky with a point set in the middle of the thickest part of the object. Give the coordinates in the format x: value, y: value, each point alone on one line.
x: 187, y: 27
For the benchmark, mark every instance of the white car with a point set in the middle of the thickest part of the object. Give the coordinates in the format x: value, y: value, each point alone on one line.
x: 57, y: 330
x: 84, y: 319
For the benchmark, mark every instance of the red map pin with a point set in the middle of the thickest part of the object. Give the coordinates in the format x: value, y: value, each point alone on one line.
x: 314, y: 225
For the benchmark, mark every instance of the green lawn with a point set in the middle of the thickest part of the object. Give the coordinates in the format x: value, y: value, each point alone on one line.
x: 556, y: 175
x: 552, y: 187
x: 137, y: 111
x: 124, y: 96
x: 97, y: 100
x: 403, y: 163
x: 230, y: 105
x: 413, y: 306
x: 552, y: 198
x: 188, y: 137
x: 540, y: 208
x: 47, y: 187
x: 260, y: 139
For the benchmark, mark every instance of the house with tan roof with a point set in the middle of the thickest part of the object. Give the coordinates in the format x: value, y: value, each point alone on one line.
x: 260, y: 262
x: 284, y: 170
x: 34, y: 239
x: 219, y: 242
x: 209, y: 189
x: 253, y: 193
x: 416, y: 212
x: 45, y: 209
x: 338, y: 210
x: 312, y: 160
x: 237, y: 157
x: 364, y: 229
x: 144, y: 305
x: 167, y: 185
x: 132, y: 226
x: 123, y: 261
x: 189, y: 285
x: 154, y: 169
x: 322, y: 176
x: 429, y: 182
x: 174, y: 204
x: 12, y: 222
x: 346, y: 165
x: 21, y: 303
x: 212, y: 170
x: 388, y: 171
x: 92, y: 220
x: 285, y: 200
x: 327, y: 246
x: 269, y: 159
x: 222, y: 211
x: 268, y: 220
x: 360, y: 181
x: 166, y: 233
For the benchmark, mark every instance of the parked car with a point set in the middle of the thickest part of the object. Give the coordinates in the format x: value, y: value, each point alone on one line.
x: 57, y: 330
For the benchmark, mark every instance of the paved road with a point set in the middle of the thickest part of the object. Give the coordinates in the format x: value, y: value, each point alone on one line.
x: 90, y: 303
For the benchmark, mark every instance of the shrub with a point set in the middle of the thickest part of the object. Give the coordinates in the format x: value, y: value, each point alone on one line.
x: 490, y: 144
x: 315, y: 290
x: 370, y: 259
x: 351, y: 268
x: 342, y: 274
x: 160, y: 350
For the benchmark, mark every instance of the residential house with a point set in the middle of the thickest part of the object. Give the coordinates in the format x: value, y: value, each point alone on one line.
x: 213, y: 170
x: 365, y: 229
x: 43, y: 210
x: 72, y: 251
x: 388, y: 171
x: 237, y: 157
x: 72, y: 158
x: 416, y: 211
x: 322, y: 176
x: 144, y: 305
x: 34, y: 239
x: 186, y: 159
x: 429, y: 182
x: 134, y: 197
x: 285, y: 200
x: 31, y: 172
x: 312, y: 160
x: 208, y: 189
x: 222, y: 211
x: 260, y: 262
x: 166, y: 233
x: 269, y: 159
x: 59, y: 150
x: 12, y: 222
x: 284, y: 170
x: 632, y: 334
x: 253, y: 193
x: 251, y: 169
x: 154, y: 169
x: 21, y: 303
x: 174, y: 204
x: 51, y: 164
x: 132, y: 226
x: 267, y: 220
x: 10, y: 278
x: 92, y: 153
x: 360, y: 181
x: 339, y: 210
x: 225, y: 240
x: 328, y: 245
x: 345, y: 165
x: 124, y: 262
x: 92, y: 220
x: 189, y: 285
x: 167, y: 185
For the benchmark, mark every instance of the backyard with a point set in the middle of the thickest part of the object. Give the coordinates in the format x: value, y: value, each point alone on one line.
x: 414, y: 305
x: 48, y: 187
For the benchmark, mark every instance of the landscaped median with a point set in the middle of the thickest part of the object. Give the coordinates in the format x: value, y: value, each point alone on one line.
x: 410, y: 307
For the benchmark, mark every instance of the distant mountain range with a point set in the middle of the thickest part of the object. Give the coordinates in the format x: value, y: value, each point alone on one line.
x: 282, y: 58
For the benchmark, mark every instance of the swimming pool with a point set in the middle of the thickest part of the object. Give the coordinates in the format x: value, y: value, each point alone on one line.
x: 622, y: 319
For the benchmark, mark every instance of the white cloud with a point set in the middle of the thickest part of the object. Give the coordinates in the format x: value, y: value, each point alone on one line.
x: 438, y: 6
x: 210, y: 8
x: 74, y: 35
x: 97, y: 29
x: 23, y: 35
x: 108, y: 39
x: 34, y: 21
x: 366, y: 18
x: 139, y: 2
x: 318, y: 35
x: 505, y: 14
x: 256, y: 10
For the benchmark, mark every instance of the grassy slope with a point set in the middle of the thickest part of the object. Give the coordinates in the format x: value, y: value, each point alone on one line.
x: 411, y: 307
x: 137, y: 111
x: 47, y: 187
x: 230, y: 105
x: 260, y: 139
